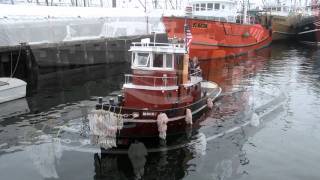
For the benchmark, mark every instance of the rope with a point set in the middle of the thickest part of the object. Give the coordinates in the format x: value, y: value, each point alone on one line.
x: 11, y: 62
x: 120, y: 120
x: 18, y: 59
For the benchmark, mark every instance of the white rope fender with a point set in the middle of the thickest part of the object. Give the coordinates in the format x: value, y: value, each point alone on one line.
x: 162, y: 121
x: 188, y: 116
x: 103, y: 127
x: 210, y: 103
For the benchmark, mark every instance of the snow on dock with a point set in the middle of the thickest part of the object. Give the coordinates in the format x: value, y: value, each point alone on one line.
x: 36, y: 25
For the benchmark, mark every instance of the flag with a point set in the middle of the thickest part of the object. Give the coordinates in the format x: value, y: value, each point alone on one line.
x: 188, y: 37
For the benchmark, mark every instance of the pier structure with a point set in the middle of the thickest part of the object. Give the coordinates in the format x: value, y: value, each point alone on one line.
x: 37, y: 40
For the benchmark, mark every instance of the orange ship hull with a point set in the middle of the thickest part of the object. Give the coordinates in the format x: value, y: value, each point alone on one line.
x: 215, y: 39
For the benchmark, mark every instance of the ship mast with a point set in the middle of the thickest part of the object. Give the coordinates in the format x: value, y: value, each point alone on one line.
x: 245, y: 7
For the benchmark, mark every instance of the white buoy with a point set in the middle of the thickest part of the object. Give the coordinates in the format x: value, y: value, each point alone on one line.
x: 162, y: 121
x: 210, y: 103
x: 188, y: 116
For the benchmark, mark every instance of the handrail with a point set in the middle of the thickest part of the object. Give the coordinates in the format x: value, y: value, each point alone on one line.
x: 157, y: 81
x: 196, y: 72
x: 174, y: 45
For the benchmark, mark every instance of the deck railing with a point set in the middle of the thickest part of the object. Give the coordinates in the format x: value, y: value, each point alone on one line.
x: 150, y: 44
x: 196, y: 72
x: 154, y: 81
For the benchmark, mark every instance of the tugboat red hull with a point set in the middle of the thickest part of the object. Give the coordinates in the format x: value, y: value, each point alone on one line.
x: 144, y: 125
x: 161, y: 97
x: 215, y: 39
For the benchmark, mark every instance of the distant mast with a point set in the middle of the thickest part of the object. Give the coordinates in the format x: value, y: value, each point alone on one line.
x: 245, y: 9
x: 114, y: 3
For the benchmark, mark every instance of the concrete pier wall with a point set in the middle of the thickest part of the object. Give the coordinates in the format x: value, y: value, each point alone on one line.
x: 37, y: 25
x: 39, y: 40
x: 46, y: 61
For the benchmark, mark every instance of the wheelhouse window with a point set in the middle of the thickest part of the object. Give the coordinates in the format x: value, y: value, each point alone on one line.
x: 178, y: 60
x: 197, y: 7
x: 203, y: 7
x: 169, y: 61
x: 158, y: 60
x: 152, y: 60
x: 210, y: 6
x: 142, y: 60
x: 216, y: 6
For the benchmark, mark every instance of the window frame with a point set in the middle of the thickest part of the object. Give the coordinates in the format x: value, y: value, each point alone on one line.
x: 135, y: 60
x: 197, y: 7
x: 203, y: 6
x: 153, y: 58
x: 172, y: 61
x: 211, y: 7
x: 216, y: 5
x: 150, y: 62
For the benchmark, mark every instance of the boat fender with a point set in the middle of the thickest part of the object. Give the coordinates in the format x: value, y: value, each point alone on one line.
x: 103, y: 128
x: 210, y: 103
x: 162, y: 121
x: 188, y: 116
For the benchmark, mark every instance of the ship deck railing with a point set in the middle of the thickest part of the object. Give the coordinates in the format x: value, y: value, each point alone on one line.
x: 150, y: 44
x: 195, y: 72
x: 154, y: 81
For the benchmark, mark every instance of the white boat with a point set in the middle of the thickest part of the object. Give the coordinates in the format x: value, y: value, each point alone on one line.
x: 11, y: 89
x: 14, y: 108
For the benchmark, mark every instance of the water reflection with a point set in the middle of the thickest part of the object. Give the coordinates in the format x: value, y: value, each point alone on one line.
x: 229, y: 73
x: 72, y: 85
x: 45, y: 157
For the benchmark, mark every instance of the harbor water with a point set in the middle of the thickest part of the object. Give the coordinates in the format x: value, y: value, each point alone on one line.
x: 265, y: 125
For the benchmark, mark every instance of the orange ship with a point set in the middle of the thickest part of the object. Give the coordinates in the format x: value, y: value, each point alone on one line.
x: 212, y: 39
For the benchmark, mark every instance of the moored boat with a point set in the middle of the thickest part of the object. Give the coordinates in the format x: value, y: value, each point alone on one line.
x: 308, y: 30
x: 161, y: 96
x: 283, y: 21
x: 11, y: 89
x: 14, y: 108
x: 226, y: 34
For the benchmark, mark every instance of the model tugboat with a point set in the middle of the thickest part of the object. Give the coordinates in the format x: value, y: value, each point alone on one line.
x: 160, y: 97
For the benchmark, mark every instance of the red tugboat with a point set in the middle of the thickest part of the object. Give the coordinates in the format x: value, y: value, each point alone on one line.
x: 160, y: 97
x: 214, y: 36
